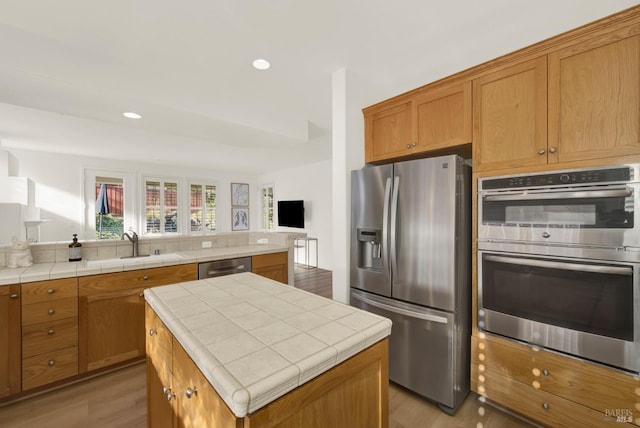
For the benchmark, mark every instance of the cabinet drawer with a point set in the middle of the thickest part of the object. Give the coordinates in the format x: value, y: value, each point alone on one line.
x: 539, y: 405
x: 587, y: 384
x: 142, y: 278
x: 49, y: 311
x: 272, y: 259
x: 49, y: 336
x: 43, y: 291
x: 50, y: 367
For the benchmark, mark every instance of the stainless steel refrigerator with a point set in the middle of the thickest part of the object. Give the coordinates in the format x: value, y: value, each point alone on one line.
x: 411, y: 262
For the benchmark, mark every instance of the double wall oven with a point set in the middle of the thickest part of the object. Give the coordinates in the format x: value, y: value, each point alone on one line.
x: 559, y: 261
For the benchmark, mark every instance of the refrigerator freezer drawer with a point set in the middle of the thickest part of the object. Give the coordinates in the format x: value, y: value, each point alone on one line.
x: 422, y: 348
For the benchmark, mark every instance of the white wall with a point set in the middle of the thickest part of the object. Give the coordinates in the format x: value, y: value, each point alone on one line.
x: 59, y: 183
x: 311, y: 183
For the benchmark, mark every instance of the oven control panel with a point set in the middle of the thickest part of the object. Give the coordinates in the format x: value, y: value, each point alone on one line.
x: 573, y: 177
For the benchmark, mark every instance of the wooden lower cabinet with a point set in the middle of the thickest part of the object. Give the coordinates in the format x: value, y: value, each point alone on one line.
x: 49, y: 331
x: 352, y: 394
x: 550, y: 388
x: 111, y: 311
x: 10, y: 357
x: 273, y: 266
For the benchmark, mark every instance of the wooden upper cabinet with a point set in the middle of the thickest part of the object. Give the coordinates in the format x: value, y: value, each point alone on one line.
x: 425, y: 120
x: 594, y: 98
x: 510, y: 117
x: 444, y: 117
x: 388, y: 133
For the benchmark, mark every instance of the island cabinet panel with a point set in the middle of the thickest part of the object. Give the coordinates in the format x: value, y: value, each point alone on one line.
x: 159, y: 346
x: 274, y: 266
x: 111, y: 311
x: 352, y: 394
x: 10, y: 356
x: 594, y: 98
x: 198, y: 405
x: 49, y: 335
x: 510, y: 117
x: 550, y: 388
x: 425, y: 120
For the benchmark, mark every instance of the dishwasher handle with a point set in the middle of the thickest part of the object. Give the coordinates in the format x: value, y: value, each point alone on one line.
x: 225, y: 271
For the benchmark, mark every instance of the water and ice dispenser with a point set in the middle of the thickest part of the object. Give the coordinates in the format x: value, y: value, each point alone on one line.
x: 369, y: 249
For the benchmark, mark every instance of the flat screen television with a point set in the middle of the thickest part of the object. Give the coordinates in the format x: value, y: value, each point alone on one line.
x: 291, y: 214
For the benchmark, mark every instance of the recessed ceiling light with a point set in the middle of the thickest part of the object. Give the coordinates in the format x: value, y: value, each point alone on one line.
x: 131, y: 115
x: 261, y: 64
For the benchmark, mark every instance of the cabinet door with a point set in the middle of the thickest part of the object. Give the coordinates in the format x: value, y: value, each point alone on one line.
x: 274, y: 266
x: 388, y: 133
x: 510, y: 117
x: 197, y: 402
x: 10, y: 358
x: 111, y: 328
x: 444, y: 117
x: 159, y: 344
x: 594, y: 99
x: 111, y: 313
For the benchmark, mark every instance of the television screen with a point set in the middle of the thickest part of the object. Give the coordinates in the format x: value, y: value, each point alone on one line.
x: 291, y: 214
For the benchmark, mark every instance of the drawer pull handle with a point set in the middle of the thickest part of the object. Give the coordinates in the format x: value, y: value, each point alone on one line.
x: 51, y: 311
x: 152, y: 331
x: 545, y: 372
x: 541, y: 151
x: 145, y: 277
x: 52, y: 363
x: 552, y: 149
x: 51, y: 332
x: 141, y: 294
x: 51, y: 291
x: 14, y: 296
x: 191, y: 392
x: 546, y: 406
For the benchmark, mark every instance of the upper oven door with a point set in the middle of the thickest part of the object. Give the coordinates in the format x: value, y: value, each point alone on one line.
x: 594, y: 215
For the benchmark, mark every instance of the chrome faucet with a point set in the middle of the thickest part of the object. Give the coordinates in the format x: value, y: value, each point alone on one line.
x: 133, y: 237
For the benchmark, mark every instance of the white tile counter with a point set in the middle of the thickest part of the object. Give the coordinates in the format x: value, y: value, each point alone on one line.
x: 255, y: 339
x: 45, y: 271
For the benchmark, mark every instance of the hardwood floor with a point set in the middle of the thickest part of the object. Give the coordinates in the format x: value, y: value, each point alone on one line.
x: 118, y: 399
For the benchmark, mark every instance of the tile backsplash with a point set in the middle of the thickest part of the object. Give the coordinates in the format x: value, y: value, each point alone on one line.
x: 57, y: 252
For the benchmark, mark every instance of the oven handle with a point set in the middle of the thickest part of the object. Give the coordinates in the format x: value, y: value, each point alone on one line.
x: 562, y: 195
x: 615, y: 270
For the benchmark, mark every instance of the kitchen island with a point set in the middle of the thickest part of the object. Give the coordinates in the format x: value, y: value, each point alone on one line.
x: 246, y: 351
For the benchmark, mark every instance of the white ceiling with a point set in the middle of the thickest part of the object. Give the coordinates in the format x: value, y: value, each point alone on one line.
x: 69, y: 68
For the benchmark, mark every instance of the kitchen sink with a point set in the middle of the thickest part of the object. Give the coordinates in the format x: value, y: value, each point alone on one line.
x: 124, y: 261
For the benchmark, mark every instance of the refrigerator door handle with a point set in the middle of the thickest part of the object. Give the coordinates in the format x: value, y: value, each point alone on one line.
x: 394, y: 212
x: 402, y: 311
x: 385, y: 224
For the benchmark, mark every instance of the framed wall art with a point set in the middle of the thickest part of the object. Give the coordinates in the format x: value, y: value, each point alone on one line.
x: 239, y: 194
x: 240, y: 219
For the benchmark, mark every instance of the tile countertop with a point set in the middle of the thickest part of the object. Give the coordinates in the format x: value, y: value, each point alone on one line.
x: 45, y: 271
x: 256, y: 339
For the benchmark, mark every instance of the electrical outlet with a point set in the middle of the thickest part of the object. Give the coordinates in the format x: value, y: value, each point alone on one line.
x: 263, y: 241
x: 206, y: 244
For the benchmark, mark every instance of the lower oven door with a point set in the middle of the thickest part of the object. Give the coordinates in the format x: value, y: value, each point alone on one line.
x: 581, y: 307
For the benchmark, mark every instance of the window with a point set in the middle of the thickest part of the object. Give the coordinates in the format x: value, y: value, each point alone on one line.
x: 266, y: 201
x: 110, y: 204
x: 202, y: 207
x: 109, y: 197
x: 161, y: 206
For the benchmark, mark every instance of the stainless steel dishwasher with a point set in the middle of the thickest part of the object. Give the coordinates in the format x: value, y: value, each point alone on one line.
x: 224, y: 267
